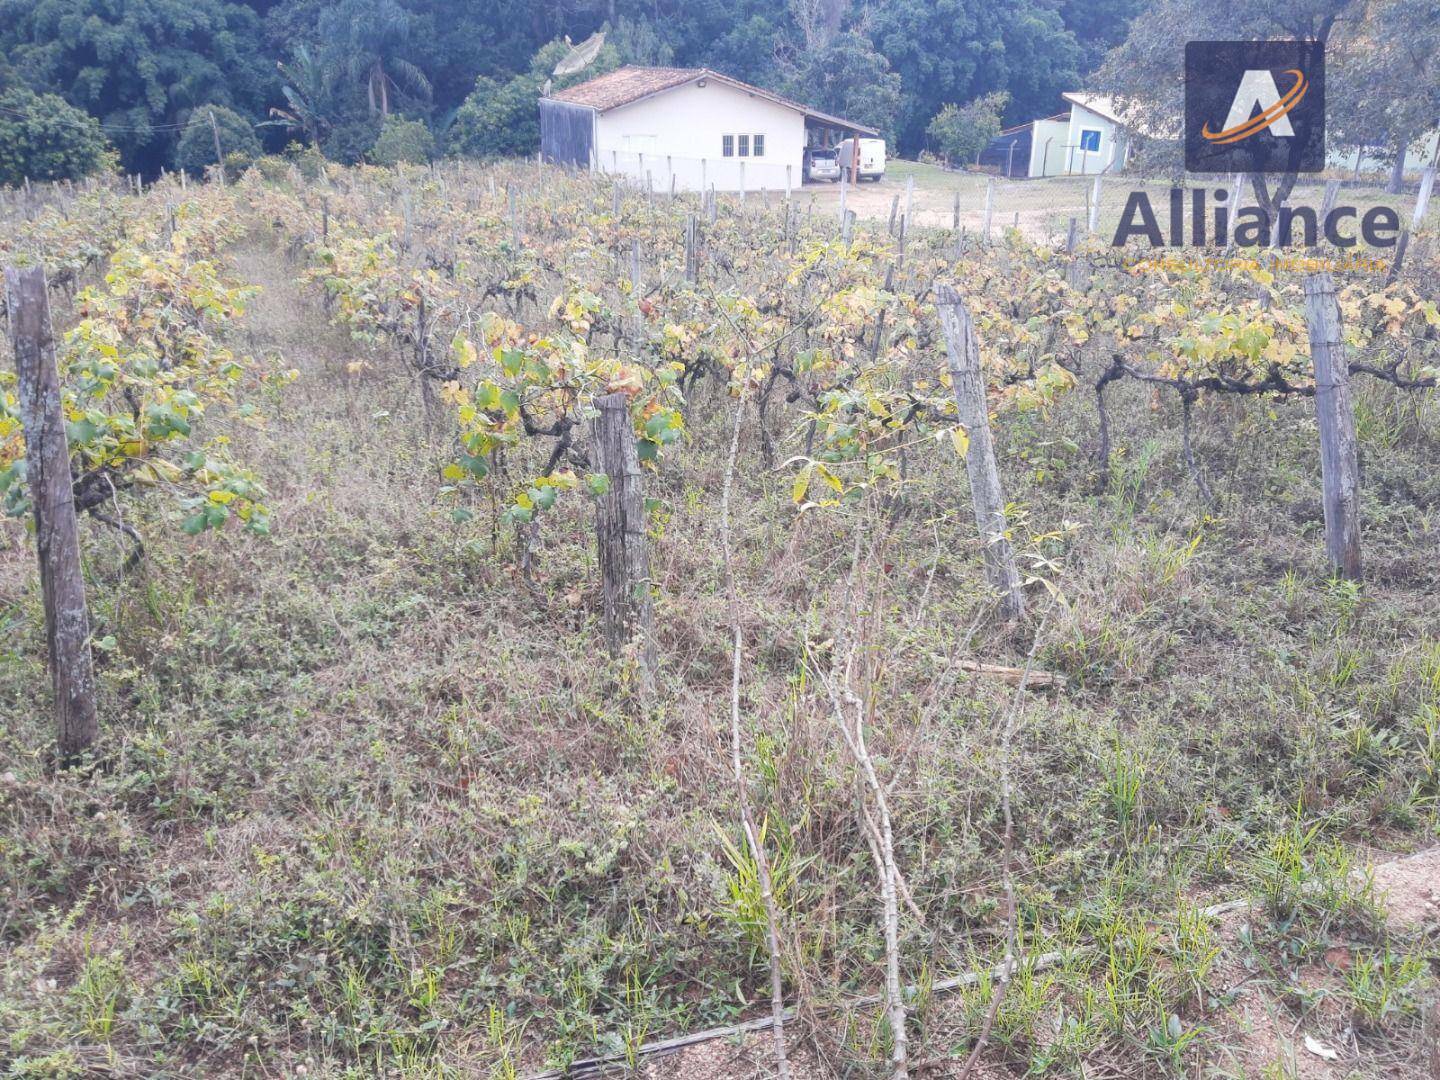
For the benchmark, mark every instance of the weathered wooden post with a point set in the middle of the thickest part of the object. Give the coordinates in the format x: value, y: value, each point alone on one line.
x: 1422, y: 198
x: 57, y: 538
x: 219, y: 154
x: 989, y: 204
x: 955, y: 215
x: 690, y: 247
x: 1332, y: 195
x: 620, y: 532
x: 968, y: 385
x: 894, y: 211
x: 1095, y: 207
x: 1339, y: 452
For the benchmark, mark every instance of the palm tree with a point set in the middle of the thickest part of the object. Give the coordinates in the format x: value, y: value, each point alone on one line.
x: 365, y: 39
x: 307, y: 93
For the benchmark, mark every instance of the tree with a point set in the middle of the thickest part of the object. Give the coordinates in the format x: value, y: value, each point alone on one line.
x: 308, y: 107
x: 500, y: 118
x: 849, y: 78
x: 960, y: 132
x: 366, y: 39
x: 1143, y: 72
x: 955, y: 50
x: 403, y: 140
x: 140, y: 66
x: 1395, y: 56
x: 197, y: 141
x: 43, y: 138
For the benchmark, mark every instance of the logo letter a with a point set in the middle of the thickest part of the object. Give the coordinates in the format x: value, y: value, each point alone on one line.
x: 1257, y: 90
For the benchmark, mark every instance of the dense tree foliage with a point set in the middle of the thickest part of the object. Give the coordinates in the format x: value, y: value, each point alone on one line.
x: 500, y: 118
x: 327, y: 72
x: 140, y: 66
x: 45, y: 139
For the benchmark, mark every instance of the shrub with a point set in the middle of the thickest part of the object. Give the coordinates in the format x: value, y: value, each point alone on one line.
x: 961, y: 132
x: 403, y: 140
x: 197, y: 142
x: 45, y: 138
x: 349, y: 142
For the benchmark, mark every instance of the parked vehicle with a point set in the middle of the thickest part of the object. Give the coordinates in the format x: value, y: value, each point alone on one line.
x: 872, y: 157
x: 821, y: 164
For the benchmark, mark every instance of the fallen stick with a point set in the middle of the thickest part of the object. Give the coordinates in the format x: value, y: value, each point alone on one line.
x: 1037, y: 680
x: 577, y: 1070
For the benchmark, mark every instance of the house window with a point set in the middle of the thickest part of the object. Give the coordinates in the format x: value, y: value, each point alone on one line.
x: 727, y: 145
x: 744, y: 145
x: 758, y: 146
x: 1089, y: 140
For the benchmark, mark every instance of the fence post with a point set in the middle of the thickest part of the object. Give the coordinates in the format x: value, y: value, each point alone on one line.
x: 1339, y: 452
x: 1402, y: 244
x: 842, y: 200
x: 968, y: 385
x: 1422, y: 198
x: 219, y: 155
x: 620, y: 533
x: 690, y: 247
x: 1332, y: 195
x: 1095, y: 207
x: 57, y: 537
x: 989, y: 205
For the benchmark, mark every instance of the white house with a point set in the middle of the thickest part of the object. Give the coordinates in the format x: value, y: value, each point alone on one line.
x: 691, y: 127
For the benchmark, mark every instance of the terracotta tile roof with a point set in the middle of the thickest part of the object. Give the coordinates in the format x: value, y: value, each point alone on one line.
x: 624, y: 85
x: 630, y: 84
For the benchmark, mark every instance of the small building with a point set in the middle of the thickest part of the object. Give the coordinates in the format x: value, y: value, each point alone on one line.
x: 688, y: 127
x: 1092, y: 137
x: 1028, y: 150
x: 1096, y: 139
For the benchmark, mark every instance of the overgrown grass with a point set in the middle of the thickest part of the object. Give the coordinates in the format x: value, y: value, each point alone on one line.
x: 368, y: 804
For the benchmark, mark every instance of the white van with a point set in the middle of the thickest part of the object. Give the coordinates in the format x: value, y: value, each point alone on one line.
x: 872, y: 157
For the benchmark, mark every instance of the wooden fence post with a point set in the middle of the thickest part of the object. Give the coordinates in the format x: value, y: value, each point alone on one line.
x: 57, y: 538
x: 1339, y: 452
x: 989, y: 205
x: 1422, y: 198
x: 1331, y: 196
x: 620, y: 531
x: 1095, y: 207
x: 690, y: 246
x: 219, y: 154
x: 968, y: 385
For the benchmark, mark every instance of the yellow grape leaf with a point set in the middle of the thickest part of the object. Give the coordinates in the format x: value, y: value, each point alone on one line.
x: 802, y: 484
x: 961, y: 438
